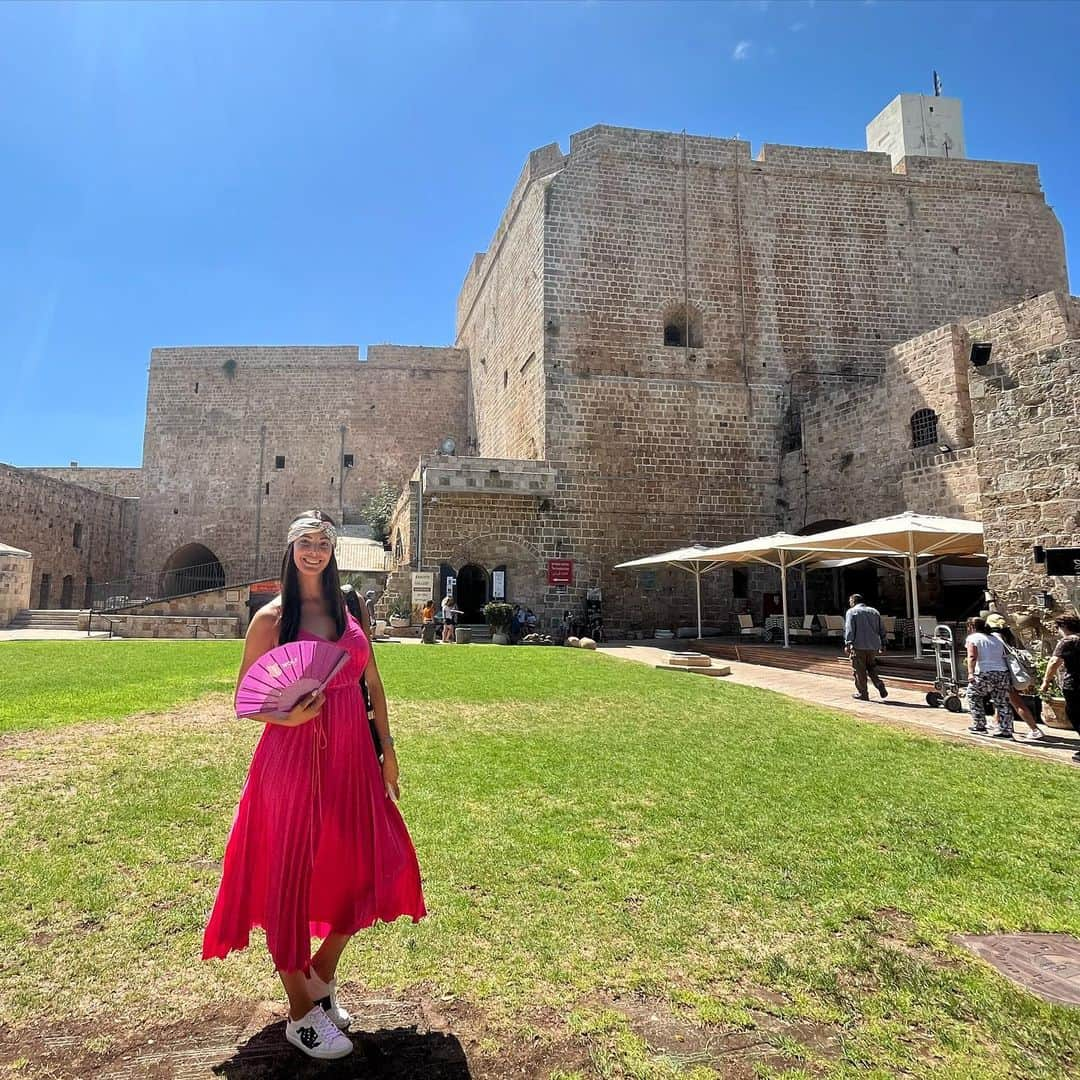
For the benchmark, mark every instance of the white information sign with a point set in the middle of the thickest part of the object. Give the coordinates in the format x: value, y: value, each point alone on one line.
x: 498, y: 585
x: 423, y: 588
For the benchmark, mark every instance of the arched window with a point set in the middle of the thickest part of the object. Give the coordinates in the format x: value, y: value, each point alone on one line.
x: 399, y: 548
x: 682, y: 326
x: 924, y: 428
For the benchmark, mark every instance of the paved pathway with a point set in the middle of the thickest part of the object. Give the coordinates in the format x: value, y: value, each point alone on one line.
x: 49, y: 635
x: 905, y: 707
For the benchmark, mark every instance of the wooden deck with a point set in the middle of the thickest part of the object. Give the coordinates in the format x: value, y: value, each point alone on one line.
x: 900, y: 667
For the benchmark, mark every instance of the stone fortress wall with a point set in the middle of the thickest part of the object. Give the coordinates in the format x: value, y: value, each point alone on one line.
x: 77, y: 535
x: 112, y: 480
x: 794, y: 272
x: 221, y: 420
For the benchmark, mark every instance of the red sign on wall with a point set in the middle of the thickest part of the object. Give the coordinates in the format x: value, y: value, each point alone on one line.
x: 560, y: 571
x: 259, y: 587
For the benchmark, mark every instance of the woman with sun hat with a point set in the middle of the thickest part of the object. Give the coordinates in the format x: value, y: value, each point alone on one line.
x: 318, y: 846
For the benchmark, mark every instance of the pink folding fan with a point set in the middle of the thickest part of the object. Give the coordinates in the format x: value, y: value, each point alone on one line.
x: 281, y: 677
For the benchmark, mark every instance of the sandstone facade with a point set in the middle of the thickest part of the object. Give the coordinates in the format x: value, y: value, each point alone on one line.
x: 78, y: 536
x: 692, y: 299
x: 240, y: 440
x: 16, y: 577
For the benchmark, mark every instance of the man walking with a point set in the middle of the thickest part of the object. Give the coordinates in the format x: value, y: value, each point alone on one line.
x: 864, y: 638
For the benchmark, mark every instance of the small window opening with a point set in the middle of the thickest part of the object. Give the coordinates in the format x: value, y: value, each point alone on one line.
x: 924, y: 428
x: 76, y: 537
x: 506, y: 378
x: 279, y: 461
x: 347, y: 461
x: 267, y: 487
x: 740, y: 584
x: 682, y: 327
x: 196, y: 388
x: 791, y: 438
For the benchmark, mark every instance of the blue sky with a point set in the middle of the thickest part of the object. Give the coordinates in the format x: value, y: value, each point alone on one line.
x: 177, y: 174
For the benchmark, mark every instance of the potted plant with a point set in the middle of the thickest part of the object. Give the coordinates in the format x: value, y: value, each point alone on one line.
x: 399, y: 611
x: 498, y: 617
x: 1053, y: 704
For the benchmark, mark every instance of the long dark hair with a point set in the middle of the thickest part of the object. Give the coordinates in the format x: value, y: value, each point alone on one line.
x: 289, y: 627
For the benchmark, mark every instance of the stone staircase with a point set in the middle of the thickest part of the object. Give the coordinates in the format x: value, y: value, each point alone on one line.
x: 481, y: 632
x: 43, y: 619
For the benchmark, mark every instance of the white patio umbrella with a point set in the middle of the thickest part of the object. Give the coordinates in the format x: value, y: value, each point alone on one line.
x: 688, y: 558
x: 778, y: 550
x: 909, y: 536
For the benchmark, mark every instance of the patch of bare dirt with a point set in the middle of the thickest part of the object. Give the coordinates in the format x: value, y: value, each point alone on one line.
x: 413, y: 1036
x: 417, y: 1037
x: 53, y: 753
x: 734, y: 1054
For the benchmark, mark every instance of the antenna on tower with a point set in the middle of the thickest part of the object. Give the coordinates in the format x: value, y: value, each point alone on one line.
x: 937, y: 85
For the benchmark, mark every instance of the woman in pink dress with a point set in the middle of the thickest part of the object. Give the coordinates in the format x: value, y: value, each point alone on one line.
x: 318, y: 846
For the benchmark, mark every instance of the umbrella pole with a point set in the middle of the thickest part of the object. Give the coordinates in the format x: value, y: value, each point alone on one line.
x: 913, y: 573
x: 697, y: 582
x: 783, y: 599
x: 804, y: 612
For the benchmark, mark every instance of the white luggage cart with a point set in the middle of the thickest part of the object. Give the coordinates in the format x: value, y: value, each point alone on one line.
x: 946, y: 686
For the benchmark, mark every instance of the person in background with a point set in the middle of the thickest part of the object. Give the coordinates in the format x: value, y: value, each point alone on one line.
x: 988, y: 677
x: 532, y: 623
x: 1066, y: 659
x: 998, y: 627
x: 427, y: 623
x: 369, y: 604
x: 864, y: 638
x: 448, y: 611
x: 517, y: 624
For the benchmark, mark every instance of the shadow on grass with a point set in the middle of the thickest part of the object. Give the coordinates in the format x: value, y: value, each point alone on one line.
x: 389, y: 1054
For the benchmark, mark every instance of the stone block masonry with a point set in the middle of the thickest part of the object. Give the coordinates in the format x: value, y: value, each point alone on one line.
x: 127, y: 483
x: 240, y: 440
x: 1027, y: 441
x: 690, y: 293
x: 76, y: 535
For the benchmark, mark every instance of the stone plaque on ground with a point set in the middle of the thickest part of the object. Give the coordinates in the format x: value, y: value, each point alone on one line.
x: 1047, y: 965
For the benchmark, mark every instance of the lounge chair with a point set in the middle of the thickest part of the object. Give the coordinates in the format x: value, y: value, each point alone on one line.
x: 927, y: 625
x: 747, y: 627
x: 834, y: 625
x: 801, y: 628
x: 889, y: 623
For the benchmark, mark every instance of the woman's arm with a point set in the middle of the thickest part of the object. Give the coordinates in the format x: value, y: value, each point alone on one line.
x: 972, y: 659
x: 1051, y: 670
x: 261, y: 638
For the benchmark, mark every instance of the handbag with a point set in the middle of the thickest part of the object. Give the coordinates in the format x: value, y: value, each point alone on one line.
x: 370, y: 719
x: 1021, y: 666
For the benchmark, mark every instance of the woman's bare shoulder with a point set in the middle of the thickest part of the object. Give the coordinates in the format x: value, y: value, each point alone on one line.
x: 266, y: 619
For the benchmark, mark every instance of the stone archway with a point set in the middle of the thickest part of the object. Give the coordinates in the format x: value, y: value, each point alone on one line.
x: 191, y: 568
x: 471, y: 592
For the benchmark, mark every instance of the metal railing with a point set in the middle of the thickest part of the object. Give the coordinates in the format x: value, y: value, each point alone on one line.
x: 144, y: 588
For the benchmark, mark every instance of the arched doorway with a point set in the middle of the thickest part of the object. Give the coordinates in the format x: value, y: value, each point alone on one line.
x: 191, y: 568
x: 67, y: 590
x: 471, y: 593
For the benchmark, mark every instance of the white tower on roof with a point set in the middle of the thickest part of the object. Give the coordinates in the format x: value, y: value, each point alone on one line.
x: 914, y: 124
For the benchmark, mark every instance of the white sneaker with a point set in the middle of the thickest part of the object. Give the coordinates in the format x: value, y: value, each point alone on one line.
x: 317, y: 1037
x: 1034, y: 736
x: 325, y: 994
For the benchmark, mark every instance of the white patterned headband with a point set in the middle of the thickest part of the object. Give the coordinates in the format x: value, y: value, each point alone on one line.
x: 311, y: 524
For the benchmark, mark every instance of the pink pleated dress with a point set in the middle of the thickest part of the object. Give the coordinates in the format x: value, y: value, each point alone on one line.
x: 317, y: 846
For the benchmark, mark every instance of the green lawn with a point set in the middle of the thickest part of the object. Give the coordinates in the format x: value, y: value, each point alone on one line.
x: 586, y: 828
